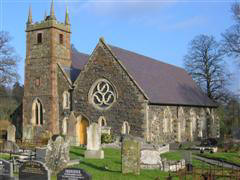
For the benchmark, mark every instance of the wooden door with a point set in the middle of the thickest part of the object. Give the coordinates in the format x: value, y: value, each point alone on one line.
x: 83, y: 131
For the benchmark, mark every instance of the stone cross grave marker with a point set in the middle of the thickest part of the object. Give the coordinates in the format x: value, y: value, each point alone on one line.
x: 6, y: 170
x: 34, y: 170
x: 131, y: 155
x: 57, y: 153
x: 73, y: 173
x: 94, y: 150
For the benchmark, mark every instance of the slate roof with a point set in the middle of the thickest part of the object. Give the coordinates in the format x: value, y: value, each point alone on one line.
x: 161, y: 82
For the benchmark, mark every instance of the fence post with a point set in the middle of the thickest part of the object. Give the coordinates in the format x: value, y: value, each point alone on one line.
x: 222, y: 168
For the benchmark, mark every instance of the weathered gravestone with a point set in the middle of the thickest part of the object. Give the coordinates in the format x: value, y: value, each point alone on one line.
x: 33, y: 170
x: 73, y: 173
x: 28, y: 132
x: 11, y: 133
x: 41, y: 153
x: 9, y: 146
x: 131, y: 155
x: 187, y: 155
x: 94, y: 150
x: 150, y: 159
x: 6, y: 170
x: 57, y: 153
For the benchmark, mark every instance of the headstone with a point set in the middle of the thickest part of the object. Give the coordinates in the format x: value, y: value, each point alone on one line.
x: 41, y: 154
x: 71, y: 130
x: 33, y: 170
x: 6, y: 170
x: 57, y: 153
x: 28, y: 132
x: 11, y: 133
x: 94, y: 150
x: 187, y: 155
x: 188, y: 159
x: 150, y: 159
x: 9, y: 146
x: 73, y: 173
x: 131, y: 155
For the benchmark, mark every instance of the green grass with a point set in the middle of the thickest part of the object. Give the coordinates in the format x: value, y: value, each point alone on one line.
x: 172, y: 155
x: 4, y: 156
x: 112, y: 160
x: 232, y: 157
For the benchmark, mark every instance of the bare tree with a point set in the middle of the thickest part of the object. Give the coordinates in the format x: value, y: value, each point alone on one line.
x: 8, y: 60
x: 204, y: 62
x: 231, y: 38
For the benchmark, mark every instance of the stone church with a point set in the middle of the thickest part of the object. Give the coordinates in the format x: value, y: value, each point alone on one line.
x: 124, y: 92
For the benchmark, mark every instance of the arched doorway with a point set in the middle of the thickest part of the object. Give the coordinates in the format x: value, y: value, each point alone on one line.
x: 83, y: 131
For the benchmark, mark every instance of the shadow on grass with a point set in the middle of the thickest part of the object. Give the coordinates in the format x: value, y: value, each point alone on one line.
x: 99, y: 168
x: 77, y: 153
x: 118, y: 162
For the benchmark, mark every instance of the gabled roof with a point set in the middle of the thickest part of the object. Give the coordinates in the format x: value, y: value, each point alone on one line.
x: 162, y: 83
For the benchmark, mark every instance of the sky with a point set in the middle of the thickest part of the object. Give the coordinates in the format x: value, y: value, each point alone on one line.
x: 161, y: 29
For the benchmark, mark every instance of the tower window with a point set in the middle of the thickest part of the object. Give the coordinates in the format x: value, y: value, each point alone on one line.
x: 61, y: 38
x: 39, y: 38
x: 37, y: 113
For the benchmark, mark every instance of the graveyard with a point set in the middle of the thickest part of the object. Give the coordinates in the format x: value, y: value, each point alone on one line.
x: 124, y: 157
x: 110, y: 166
x: 126, y: 160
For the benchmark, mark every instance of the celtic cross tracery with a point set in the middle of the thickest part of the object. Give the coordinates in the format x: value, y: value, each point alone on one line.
x: 103, y: 94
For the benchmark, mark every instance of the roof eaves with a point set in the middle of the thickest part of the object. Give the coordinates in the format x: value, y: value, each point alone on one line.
x: 90, y: 57
x: 186, y: 105
x: 64, y: 73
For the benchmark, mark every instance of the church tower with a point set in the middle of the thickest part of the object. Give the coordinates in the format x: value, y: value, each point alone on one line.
x: 47, y: 44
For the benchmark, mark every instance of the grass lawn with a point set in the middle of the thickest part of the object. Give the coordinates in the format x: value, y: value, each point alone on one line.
x: 232, y: 157
x: 172, y: 155
x: 112, y: 160
x: 4, y: 156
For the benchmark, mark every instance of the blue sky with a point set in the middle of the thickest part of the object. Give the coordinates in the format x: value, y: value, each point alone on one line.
x: 155, y: 28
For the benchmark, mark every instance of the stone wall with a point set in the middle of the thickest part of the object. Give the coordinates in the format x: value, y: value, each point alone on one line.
x: 177, y: 123
x: 130, y: 103
x: 63, y: 85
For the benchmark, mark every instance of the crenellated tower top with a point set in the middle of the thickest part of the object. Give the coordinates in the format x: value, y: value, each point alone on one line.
x: 49, y: 21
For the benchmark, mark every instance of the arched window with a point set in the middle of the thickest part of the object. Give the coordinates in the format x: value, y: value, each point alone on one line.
x: 66, y: 100
x: 125, y: 128
x: 64, y: 126
x: 102, y: 121
x: 37, y: 112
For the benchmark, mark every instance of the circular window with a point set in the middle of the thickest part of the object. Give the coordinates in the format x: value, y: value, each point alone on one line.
x: 102, y: 94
